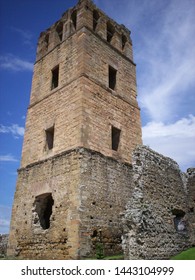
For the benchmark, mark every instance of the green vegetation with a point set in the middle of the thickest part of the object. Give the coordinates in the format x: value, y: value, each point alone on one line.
x: 117, y: 257
x: 185, y: 255
x: 99, y: 251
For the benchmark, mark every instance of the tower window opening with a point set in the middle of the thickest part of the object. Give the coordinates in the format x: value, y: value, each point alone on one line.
x: 55, y: 77
x: 115, y: 138
x: 74, y: 18
x: 112, y: 77
x: 49, y: 138
x: 59, y: 30
x: 96, y: 17
x: 110, y: 32
x: 46, y: 41
x: 43, y: 208
x: 124, y: 41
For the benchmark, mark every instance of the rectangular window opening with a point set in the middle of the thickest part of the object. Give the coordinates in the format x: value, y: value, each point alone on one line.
x: 115, y: 138
x: 74, y: 18
x: 112, y: 78
x: 96, y: 17
x: 49, y: 138
x: 110, y: 32
x: 55, y: 77
x: 59, y: 30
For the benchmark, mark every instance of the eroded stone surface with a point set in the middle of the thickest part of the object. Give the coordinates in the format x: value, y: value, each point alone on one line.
x: 3, y: 244
x: 86, y: 192
x: 159, y: 219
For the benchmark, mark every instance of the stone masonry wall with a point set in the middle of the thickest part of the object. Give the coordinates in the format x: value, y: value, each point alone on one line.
x: 190, y: 185
x: 157, y: 221
x: 3, y: 244
x: 104, y: 192
x: 59, y: 177
x: 82, y: 108
x: 89, y: 193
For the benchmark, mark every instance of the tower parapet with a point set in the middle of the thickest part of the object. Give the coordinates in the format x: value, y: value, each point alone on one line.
x: 85, y: 15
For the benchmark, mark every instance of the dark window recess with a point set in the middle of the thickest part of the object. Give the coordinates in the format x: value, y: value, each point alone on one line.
x: 110, y: 32
x: 49, y: 138
x: 179, y: 222
x: 94, y: 234
x: 43, y: 207
x: 74, y: 19
x: 55, y: 77
x: 46, y: 40
x: 96, y: 17
x: 115, y: 138
x: 124, y: 41
x: 59, y: 30
x: 112, y: 78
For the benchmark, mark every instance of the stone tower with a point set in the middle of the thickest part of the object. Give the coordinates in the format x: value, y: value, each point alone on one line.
x: 82, y: 125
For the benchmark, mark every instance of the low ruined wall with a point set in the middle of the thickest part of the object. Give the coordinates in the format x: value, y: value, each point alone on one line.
x: 3, y: 244
x: 158, y: 219
x: 190, y: 183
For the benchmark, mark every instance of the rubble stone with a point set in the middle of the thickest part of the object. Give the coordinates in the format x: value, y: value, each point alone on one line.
x: 159, y: 217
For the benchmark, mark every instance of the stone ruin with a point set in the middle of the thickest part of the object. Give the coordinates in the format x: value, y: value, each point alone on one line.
x: 3, y: 244
x: 159, y: 220
x: 77, y: 173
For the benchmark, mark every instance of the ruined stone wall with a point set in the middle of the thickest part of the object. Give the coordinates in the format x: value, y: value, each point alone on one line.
x: 3, y: 244
x: 104, y: 192
x: 59, y: 178
x: 190, y: 185
x: 157, y: 222
x: 88, y: 193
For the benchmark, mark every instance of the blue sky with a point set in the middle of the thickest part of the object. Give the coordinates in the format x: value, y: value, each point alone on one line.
x: 163, y: 34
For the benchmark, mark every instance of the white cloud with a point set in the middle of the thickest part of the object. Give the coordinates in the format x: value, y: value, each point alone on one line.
x: 25, y: 35
x: 163, y: 35
x: 14, y: 63
x: 14, y: 129
x: 175, y: 140
x: 5, y: 216
x: 167, y: 61
x: 8, y: 158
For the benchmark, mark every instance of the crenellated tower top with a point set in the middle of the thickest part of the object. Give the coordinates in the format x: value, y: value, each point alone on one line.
x: 85, y: 14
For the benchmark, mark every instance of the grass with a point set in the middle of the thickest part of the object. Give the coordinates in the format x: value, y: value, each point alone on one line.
x: 116, y: 257
x: 185, y: 255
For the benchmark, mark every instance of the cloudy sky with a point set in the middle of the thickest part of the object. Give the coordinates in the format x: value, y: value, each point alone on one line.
x: 163, y: 34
